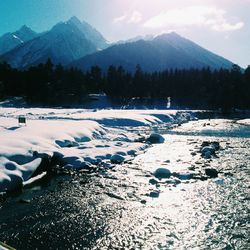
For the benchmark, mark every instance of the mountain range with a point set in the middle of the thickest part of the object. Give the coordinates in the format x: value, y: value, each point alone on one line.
x: 163, y: 52
x: 77, y: 44
x: 64, y: 43
x: 11, y: 40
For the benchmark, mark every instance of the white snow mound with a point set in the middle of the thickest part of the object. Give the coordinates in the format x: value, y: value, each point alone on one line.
x: 77, y: 137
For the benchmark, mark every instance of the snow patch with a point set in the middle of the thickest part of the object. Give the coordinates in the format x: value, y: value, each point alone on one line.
x: 12, y: 175
x: 20, y: 40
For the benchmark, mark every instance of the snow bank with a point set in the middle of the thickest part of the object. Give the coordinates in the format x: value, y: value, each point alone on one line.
x: 77, y: 138
x: 12, y: 175
x: 22, y: 148
x: 244, y: 121
x: 115, y: 118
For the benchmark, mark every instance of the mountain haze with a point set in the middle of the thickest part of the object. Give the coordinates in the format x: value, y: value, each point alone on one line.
x: 163, y: 52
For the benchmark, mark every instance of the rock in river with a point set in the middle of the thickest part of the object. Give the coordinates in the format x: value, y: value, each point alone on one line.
x: 154, y: 194
x: 155, y: 138
x: 207, y: 151
x: 161, y: 173
x: 209, y: 148
x: 117, y: 159
x: 153, y: 181
x: 211, y: 172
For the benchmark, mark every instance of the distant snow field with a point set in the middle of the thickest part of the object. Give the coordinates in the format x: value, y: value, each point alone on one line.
x: 78, y: 138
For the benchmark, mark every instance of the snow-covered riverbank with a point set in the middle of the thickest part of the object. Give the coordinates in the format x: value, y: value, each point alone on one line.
x: 76, y: 138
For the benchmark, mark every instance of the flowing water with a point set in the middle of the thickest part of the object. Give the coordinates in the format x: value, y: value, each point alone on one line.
x: 128, y: 208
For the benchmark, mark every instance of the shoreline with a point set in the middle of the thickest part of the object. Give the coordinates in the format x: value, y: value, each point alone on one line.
x: 105, y: 127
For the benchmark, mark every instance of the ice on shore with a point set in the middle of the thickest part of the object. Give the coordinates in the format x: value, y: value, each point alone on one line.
x: 77, y: 137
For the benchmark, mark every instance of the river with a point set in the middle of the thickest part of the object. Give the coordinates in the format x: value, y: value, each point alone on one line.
x: 128, y: 208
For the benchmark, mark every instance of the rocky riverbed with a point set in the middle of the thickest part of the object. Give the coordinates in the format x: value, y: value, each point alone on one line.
x: 189, y: 192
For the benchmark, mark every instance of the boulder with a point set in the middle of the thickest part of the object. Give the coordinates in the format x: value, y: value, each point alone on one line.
x: 153, y: 181
x: 209, y: 148
x: 211, y: 172
x: 207, y: 152
x: 86, y: 165
x: 216, y: 145
x: 131, y: 152
x: 154, y: 194
x: 155, y: 138
x: 161, y: 173
x: 117, y: 159
x: 205, y: 149
x: 185, y: 176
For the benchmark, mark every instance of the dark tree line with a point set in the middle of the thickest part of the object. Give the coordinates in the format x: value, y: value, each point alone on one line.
x: 194, y: 88
x: 43, y: 84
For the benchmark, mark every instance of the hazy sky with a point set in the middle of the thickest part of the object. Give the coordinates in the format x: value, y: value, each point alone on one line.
x: 222, y: 26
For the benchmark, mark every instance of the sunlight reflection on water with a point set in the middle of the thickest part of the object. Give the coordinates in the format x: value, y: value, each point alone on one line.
x: 209, y: 214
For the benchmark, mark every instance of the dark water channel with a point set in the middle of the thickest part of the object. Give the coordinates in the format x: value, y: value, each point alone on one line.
x: 127, y: 208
